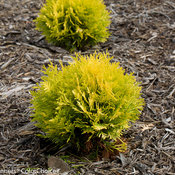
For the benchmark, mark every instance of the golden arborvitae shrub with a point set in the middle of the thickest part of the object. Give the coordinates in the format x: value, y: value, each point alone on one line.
x: 74, y: 24
x: 89, y: 99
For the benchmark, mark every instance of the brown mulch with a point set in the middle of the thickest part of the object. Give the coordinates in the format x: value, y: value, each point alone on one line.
x: 142, y: 40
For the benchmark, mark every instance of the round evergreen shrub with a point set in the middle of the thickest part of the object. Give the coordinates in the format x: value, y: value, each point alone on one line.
x: 89, y: 99
x: 74, y: 23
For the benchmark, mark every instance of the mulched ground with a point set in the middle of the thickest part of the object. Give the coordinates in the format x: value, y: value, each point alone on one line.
x: 142, y: 40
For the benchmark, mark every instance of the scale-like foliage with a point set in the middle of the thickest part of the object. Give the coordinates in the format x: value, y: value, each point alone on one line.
x: 74, y: 23
x: 91, y: 97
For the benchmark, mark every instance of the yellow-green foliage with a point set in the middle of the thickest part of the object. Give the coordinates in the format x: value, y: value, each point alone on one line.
x: 74, y: 23
x: 91, y: 97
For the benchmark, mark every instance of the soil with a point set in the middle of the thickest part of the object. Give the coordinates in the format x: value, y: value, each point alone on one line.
x: 142, y: 40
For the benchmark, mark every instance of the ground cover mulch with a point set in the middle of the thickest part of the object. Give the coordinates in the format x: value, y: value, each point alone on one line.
x: 142, y: 40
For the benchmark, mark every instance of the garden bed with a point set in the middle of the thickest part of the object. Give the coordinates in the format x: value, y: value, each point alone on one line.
x: 142, y: 40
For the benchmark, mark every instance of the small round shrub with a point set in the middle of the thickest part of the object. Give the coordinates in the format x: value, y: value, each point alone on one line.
x: 74, y: 24
x: 91, y: 99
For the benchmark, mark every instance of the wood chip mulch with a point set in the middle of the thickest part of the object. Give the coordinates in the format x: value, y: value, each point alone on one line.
x: 142, y: 40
